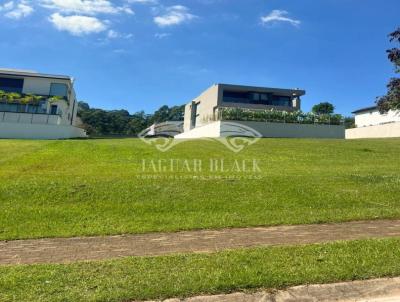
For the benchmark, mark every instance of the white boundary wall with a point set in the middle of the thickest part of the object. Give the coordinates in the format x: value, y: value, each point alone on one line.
x: 293, y: 130
x: 38, y: 131
x: 377, y: 131
x: 224, y: 128
x: 209, y: 130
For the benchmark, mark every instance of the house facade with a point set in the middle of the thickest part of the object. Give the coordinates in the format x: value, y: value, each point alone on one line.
x: 370, y: 123
x: 205, y: 115
x: 371, y: 116
x: 36, y: 105
x: 207, y: 106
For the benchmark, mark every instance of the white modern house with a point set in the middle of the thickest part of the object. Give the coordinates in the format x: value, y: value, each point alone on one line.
x: 37, y: 106
x: 370, y: 123
x: 206, y: 115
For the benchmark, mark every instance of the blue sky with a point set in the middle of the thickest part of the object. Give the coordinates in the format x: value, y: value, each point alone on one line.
x: 141, y: 54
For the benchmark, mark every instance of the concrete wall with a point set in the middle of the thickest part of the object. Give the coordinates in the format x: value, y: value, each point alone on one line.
x: 207, y: 101
x: 209, y: 130
x: 221, y: 129
x: 296, y: 130
x: 41, y: 86
x: 374, y: 117
x: 39, y: 131
x: 377, y: 131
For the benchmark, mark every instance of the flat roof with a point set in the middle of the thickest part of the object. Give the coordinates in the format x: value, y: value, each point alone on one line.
x: 32, y: 74
x: 365, y: 109
x: 298, y: 92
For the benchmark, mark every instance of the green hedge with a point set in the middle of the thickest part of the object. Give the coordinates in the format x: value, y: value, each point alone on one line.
x: 239, y: 114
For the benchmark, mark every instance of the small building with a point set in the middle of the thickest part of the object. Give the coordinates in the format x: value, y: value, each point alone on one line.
x: 370, y: 123
x: 165, y: 129
x: 37, y: 106
x: 204, y: 116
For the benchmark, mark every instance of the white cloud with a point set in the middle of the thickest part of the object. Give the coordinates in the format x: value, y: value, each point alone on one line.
x: 162, y: 35
x: 7, y: 6
x: 78, y: 25
x: 17, y: 10
x: 112, y: 34
x: 174, y: 15
x: 143, y: 1
x: 85, y: 7
x: 279, y: 16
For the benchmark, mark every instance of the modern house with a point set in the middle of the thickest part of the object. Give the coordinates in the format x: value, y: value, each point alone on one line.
x: 370, y: 123
x: 209, y: 105
x: 205, y: 115
x: 38, y: 106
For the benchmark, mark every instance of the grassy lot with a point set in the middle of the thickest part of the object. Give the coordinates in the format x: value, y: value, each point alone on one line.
x: 93, y: 187
x: 187, y: 275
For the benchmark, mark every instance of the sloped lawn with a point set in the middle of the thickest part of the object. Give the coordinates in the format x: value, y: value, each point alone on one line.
x: 98, y: 187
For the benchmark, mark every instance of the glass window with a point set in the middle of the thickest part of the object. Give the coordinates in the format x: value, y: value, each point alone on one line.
x: 235, y: 97
x: 8, y: 107
x: 53, y: 109
x: 254, y: 97
x: 11, y: 85
x: 58, y: 89
x: 281, y: 101
x: 264, y: 97
x: 257, y: 98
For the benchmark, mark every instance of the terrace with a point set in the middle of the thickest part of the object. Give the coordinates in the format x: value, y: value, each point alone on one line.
x: 29, y: 109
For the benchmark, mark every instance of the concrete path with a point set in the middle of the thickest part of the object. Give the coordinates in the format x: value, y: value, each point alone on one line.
x: 378, y: 290
x: 64, y: 250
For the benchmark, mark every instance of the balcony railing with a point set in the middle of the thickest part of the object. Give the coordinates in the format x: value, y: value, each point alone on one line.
x: 30, y: 118
x: 272, y: 116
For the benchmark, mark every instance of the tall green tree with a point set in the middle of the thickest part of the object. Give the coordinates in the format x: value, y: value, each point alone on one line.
x: 323, y: 108
x: 391, y: 101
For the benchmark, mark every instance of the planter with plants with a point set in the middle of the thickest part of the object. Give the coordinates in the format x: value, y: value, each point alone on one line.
x: 276, y: 116
x: 25, y: 99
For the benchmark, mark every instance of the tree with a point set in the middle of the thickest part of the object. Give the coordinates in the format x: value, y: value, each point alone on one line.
x: 121, y: 122
x: 138, y: 122
x: 323, y: 108
x: 82, y: 106
x: 391, y: 101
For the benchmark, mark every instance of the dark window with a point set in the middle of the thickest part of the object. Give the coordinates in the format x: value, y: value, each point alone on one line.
x: 11, y: 85
x: 53, y: 109
x: 236, y: 97
x: 281, y: 101
x: 256, y: 98
x: 195, y: 107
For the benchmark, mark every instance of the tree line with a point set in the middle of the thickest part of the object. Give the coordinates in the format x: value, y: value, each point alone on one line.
x: 99, y: 122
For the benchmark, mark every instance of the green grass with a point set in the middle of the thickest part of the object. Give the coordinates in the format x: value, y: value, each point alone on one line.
x: 94, y: 187
x: 187, y: 275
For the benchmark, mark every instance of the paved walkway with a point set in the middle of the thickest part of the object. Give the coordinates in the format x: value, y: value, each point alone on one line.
x: 64, y: 250
x: 377, y: 290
